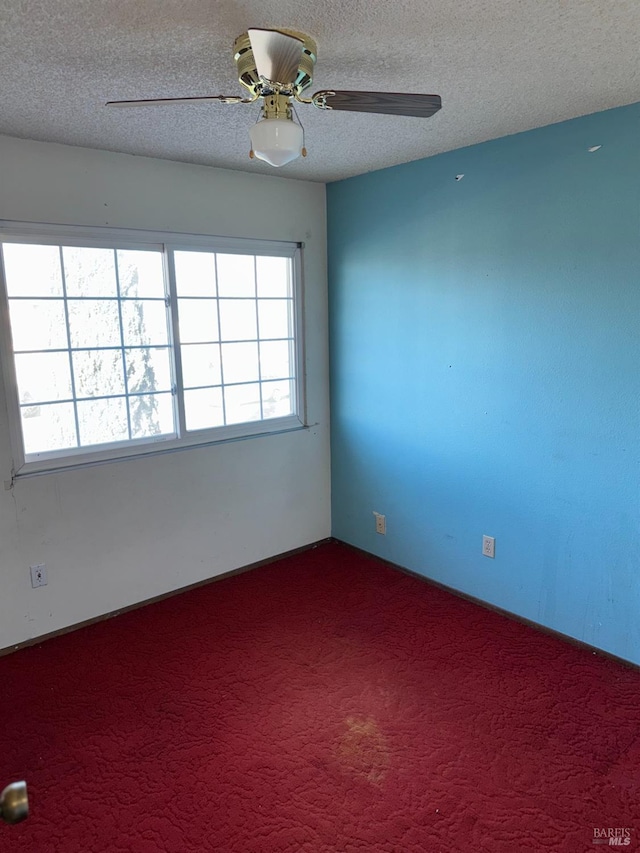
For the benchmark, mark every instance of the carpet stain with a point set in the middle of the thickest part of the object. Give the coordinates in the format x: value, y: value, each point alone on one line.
x: 362, y: 750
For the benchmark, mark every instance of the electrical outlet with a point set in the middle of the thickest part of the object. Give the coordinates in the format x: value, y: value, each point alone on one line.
x: 489, y: 546
x: 38, y: 575
x: 381, y: 523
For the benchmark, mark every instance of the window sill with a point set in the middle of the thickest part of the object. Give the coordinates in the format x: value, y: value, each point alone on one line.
x: 208, y: 438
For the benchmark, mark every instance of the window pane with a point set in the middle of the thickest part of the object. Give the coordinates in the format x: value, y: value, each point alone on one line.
x: 140, y: 274
x: 144, y: 323
x: 148, y: 370
x: 276, y: 399
x: 273, y: 276
x: 198, y: 320
x: 203, y: 408
x: 151, y: 414
x: 276, y: 359
x: 200, y: 365
x: 89, y: 272
x: 195, y: 273
x: 32, y: 270
x: 242, y: 403
x: 43, y: 376
x: 102, y: 421
x: 240, y: 362
x: 47, y: 428
x: 94, y: 323
x: 98, y: 373
x: 37, y: 325
x: 236, y: 275
x: 238, y: 320
x: 274, y: 317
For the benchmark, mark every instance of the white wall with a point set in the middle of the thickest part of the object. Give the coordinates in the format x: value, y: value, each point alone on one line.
x: 126, y: 531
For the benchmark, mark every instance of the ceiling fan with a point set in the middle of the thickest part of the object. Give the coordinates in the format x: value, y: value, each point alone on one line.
x: 277, y: 66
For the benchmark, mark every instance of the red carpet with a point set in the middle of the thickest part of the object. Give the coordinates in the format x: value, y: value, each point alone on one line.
x: 328, y: 704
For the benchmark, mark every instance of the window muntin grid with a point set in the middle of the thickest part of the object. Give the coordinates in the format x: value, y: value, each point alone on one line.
x: 91, y: 345
x: 103, y: 378
x: 237, y: 337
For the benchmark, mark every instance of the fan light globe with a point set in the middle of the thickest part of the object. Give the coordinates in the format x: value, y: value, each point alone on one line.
x: 277, y: 141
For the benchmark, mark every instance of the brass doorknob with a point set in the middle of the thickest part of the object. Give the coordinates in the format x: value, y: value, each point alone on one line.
x: 14, y: 803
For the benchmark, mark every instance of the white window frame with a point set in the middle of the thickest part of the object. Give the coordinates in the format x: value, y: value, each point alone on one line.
x: 167, y: 243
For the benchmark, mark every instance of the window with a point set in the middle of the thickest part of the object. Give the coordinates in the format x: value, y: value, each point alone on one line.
x: 115, y: 343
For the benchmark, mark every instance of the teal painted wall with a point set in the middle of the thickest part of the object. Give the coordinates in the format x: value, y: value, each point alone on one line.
x: 485, y: 350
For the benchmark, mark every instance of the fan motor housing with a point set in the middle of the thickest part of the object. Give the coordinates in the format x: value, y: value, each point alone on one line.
x: 248, y: 75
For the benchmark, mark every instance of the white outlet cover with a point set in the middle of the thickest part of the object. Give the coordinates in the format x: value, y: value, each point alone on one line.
x: 381, y: 523
x: 38, y: 575
x: 489, y: 546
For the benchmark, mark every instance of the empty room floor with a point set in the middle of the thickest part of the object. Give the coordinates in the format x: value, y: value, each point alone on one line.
x: 327, y: 703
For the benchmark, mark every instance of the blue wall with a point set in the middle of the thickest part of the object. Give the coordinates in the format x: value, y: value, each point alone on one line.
x: 486, y: 371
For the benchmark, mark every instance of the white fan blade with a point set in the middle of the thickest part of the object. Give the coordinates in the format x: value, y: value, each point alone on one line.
x: 277, y: 55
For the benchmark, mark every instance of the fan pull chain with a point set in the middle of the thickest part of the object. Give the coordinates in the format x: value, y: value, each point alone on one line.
x: 295, y: 112
x: 252, y: 153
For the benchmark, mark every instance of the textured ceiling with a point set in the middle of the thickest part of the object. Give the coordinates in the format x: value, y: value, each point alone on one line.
x: 501, y: 66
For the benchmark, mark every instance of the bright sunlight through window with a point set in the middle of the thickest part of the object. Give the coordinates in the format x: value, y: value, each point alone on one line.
x: 117, y: 347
